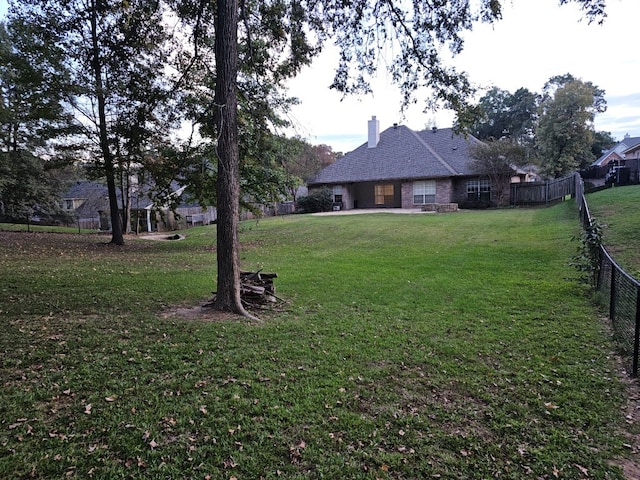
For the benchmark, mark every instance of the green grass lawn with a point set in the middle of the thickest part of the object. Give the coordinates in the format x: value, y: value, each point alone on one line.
x: 450, y: 346
x: 617, y: 209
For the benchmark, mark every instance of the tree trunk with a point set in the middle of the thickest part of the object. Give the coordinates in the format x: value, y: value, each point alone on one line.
x: 125, y: 192
x: 228, y: 184
x: 116, y: 224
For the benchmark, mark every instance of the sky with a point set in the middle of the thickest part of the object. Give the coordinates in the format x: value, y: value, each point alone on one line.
x: 535, y: 40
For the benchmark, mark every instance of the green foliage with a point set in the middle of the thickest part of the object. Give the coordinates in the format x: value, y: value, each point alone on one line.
x: 588, y: 257
x: 565, y: 134
x: 303, y: 160
x: 27, y: 187
x: 602, y: 141
x: 113, y: 68
x: 33, y: 111
x: 506, y: 115
x: 529, y: 120
x: 498, y: 160
x: 317, y: 201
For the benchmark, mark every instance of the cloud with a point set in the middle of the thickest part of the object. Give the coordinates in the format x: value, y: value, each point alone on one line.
x: 533, y: 42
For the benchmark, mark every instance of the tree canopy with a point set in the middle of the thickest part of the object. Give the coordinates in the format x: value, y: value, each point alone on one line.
x: 34, y: 125
x: 499, y: 161
x: 503, y: 114
x: 111, y: 68
x: 565, y: 131
x: 555, y: 128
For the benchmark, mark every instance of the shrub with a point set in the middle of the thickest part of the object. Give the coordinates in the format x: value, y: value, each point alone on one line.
x: 587, y: 258
x: 318, y: 201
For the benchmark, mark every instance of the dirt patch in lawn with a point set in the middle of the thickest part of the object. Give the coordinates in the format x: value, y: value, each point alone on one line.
x: 200, y: 312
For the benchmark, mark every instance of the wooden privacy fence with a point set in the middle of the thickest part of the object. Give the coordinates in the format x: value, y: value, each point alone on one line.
x: 544, y: 193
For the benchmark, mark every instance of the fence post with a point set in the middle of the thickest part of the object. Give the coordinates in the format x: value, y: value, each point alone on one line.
x: 601, y: 259
x: 612, y: 295
x: 546, y: 193
x: 636, y: 340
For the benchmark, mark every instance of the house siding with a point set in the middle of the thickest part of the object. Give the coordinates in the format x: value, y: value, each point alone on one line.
x: 444, y: 192
x: 347, y: 197
x: 460, y: 190
x: 407, y: 194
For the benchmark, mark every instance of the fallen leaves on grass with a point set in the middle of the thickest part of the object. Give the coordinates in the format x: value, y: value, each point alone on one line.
x: 295, y: 452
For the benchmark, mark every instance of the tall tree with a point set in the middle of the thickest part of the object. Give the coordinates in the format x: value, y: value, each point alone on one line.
x: 506, y: 115
x: 114, y: 68
x: 32, y: 113
x: 565, y: 131
x: 493, y: 122
x: 228, y: 186
x: 602, y: 141
x: 523, y: 116
x: 302, y: 161
x: 33, y: 125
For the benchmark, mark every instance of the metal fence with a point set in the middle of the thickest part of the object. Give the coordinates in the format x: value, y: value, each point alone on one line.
x: 621, y: 292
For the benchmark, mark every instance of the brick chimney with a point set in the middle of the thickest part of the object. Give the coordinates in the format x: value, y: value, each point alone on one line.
x: 374, y: 132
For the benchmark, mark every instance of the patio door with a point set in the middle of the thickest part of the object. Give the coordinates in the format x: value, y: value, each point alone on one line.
x: 383, y: 194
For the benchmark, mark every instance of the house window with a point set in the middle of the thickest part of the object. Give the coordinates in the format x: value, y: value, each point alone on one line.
x: 384, y: 194
x: 68, y: 204
x: 424, y: 192
x: 479, y: 189
x: 337, y: 193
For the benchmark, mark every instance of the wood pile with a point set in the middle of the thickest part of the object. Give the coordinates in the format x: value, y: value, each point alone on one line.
x: 257, y: 289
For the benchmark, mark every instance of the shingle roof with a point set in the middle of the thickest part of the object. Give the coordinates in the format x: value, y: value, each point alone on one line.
x: 630, y: 143
x: 96, y: 197
x: 403, y: 153
x: 616, y: 150
x: 86, y: 190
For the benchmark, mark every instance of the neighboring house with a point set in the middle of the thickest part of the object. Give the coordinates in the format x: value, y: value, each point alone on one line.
x: 631, y: 160
x: 89, y: 203
x: 620, y: 159
x: 526, y: 174
x: 610, y: 156
x: 402, y: 168
x: 616, y: 154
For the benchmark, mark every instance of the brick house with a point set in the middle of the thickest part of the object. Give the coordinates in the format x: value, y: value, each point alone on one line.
x: 402, y: 168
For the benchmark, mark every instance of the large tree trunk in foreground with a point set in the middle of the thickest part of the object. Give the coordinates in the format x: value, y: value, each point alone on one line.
x: 228, y: 186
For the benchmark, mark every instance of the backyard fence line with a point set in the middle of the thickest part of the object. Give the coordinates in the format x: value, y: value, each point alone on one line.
x: 545, y: 193
x: 621, y: 291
